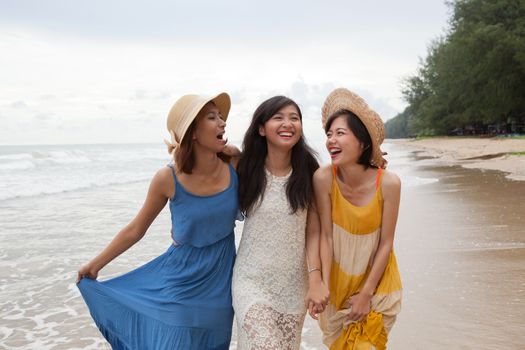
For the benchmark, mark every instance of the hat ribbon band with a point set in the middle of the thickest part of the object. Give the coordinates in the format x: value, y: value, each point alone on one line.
x: 173, y: 145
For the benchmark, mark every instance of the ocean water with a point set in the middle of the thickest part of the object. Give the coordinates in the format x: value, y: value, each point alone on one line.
x: 29, y: 171
x: 59, y: 206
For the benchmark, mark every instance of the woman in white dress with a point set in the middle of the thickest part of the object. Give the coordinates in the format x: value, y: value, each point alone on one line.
x: 277, y: 270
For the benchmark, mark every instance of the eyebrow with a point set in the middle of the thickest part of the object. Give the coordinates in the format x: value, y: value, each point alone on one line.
x: 293, y: 113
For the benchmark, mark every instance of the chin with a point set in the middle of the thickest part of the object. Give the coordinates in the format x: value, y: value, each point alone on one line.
x: 288, y: 145
x: 338, y: 161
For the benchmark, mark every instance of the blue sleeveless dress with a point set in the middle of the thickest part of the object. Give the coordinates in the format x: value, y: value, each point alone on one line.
x: 181, y: 299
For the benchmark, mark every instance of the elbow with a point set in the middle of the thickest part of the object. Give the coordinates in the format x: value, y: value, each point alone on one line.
x: 133, y: 233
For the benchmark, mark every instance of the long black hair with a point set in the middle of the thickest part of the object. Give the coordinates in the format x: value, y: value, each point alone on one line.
x: 250, y: 170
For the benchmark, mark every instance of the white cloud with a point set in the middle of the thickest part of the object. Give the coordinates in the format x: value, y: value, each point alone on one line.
x: 110, y: 71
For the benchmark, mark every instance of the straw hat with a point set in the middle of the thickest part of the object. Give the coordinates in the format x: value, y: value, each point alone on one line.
x: 184, y: 111
x: 342, y: 98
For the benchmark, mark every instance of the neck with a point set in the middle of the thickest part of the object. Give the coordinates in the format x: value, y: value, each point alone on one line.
x: 278, y: 162
x: 205, y: 163
x: 352, y: 174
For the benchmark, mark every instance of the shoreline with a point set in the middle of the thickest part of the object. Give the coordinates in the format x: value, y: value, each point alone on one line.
x: 479, y: 153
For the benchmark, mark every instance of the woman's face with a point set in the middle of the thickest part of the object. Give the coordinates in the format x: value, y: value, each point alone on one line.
x: 283, y: 129
x: 341, y: 143
x: 210, y: 129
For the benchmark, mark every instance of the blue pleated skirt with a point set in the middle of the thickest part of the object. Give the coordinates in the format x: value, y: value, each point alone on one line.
x: 180, y: 300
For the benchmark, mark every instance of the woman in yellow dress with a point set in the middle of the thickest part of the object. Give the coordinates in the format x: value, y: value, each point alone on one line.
x: 358, y: 203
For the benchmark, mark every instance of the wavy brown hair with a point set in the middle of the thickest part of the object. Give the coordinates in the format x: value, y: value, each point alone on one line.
x: 184, y: 154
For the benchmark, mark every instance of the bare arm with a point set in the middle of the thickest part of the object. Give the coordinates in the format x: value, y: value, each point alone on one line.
x: 161, y: 188
x: 318, y: 294
x: 322, y: 188
x: 391, y: 189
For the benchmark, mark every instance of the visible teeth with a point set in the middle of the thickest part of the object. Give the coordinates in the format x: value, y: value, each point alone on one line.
x: 287, y: 134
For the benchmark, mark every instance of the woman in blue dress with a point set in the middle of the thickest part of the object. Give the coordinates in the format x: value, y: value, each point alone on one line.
x: 182, y: 299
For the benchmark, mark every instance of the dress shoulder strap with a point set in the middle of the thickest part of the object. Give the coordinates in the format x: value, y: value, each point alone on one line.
x: 172, y: 167
x: 378, y: 178
x: 334, y: 188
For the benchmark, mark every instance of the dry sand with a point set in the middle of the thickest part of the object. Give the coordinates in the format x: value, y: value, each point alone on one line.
x: 480, y: 153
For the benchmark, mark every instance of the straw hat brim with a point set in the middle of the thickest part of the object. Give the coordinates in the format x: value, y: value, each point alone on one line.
x: 344, y: 99
x: 186, y: 109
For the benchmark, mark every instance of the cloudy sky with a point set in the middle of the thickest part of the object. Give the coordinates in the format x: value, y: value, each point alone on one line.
x: 108, y: 71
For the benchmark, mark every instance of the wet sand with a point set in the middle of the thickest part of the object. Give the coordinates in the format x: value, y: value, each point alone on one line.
x: 460, y: 245
x: 461, y: 249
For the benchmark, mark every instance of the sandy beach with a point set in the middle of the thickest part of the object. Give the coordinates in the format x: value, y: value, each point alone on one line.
x: 482, y: 153
x: 460, y: 246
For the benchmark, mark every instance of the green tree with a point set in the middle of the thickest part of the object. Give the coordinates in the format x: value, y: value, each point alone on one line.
x: 397, y: 127
x: 474, y: 75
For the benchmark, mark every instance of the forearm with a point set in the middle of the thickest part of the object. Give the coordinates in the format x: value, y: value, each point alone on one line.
x: 391, y: 196
x: 378, y: 268
x: 314, y: 264
x: 326, y: 253
x: 125, y: 239
x: 313, y: 259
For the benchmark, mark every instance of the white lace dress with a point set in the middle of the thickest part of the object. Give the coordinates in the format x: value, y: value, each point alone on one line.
x: 270, y: 275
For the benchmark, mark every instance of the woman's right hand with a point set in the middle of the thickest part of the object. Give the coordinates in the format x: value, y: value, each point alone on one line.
x: 88, y: 272
x: 316, y: 298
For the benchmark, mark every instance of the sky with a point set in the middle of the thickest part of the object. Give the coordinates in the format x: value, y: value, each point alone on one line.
x: 108, y: 71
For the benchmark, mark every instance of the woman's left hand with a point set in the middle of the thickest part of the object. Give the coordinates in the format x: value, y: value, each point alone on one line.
x: 360, y: 306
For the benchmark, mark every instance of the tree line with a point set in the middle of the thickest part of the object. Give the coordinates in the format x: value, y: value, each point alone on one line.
x: 473, y: 78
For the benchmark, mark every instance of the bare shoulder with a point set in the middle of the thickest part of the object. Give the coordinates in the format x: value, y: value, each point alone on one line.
x: 323, y: 173
x: 162, y: 182
x: 164, y: 175
x: 391, y: 184
x: 323, y: 176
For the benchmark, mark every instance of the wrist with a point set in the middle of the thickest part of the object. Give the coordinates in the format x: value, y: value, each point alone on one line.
x: 94, y: 267
x: 314, y: 269
x: 315, y: 279
x: 367, y: 292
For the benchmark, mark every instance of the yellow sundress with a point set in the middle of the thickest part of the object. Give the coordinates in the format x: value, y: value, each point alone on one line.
x: 356, y: 234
